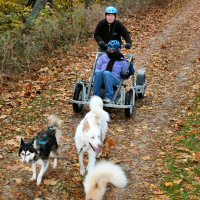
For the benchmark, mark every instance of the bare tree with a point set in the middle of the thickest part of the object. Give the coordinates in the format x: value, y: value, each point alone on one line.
x: 87, y: 3
x: 39, y: 5
x: 32, y: 3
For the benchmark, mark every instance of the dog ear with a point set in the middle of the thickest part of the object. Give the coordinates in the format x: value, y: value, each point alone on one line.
x: 22, y: 142
x: 86, y: 126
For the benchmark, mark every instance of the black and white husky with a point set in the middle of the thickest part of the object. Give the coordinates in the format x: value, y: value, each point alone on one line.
x: 45, y: 144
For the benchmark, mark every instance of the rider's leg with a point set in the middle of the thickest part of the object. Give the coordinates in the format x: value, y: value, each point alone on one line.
x: 110, y: 80
x: 98, y: 81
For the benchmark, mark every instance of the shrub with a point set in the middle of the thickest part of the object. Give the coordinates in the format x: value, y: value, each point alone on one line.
x: 52, y: 31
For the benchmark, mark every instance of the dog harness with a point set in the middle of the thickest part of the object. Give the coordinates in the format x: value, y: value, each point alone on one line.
x: 42, y: 138
x: 92, y: 147
x: 82, y: 148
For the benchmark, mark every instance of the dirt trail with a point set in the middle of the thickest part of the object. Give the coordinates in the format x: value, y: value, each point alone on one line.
x: 171, y: 57
x: 170, y: 91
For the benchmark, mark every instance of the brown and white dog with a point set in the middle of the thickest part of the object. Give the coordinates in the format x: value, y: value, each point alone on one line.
x: 91, y: 133
x: 103, y: 173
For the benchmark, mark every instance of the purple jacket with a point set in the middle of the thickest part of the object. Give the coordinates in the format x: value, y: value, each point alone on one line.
x: 118, y: 68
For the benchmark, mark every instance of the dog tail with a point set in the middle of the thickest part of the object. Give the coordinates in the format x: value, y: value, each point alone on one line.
x: 103, y: 173
x: 56, y: 122
x: 96, y: 106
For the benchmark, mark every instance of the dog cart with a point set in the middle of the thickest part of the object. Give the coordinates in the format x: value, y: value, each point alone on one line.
x: 125, y: 96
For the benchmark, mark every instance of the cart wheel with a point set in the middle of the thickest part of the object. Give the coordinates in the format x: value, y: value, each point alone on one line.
x: 140, y: 78
x: 140, y: 81
x: 78, y: 94
x: 129, y: 101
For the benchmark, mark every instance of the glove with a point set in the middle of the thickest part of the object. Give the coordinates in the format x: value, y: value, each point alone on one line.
x: 127, y: 46
x: 125, y: 75
x: 102, y: 45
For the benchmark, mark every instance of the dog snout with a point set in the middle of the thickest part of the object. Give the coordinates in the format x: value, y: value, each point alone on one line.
x: 99, y: 145
x: 24, y: 161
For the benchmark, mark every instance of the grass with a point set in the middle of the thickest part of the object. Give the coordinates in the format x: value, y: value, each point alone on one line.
x: 183, y: 179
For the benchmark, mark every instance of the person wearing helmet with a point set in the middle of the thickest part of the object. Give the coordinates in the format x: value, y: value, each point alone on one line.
x: 108, y: 71
x: 111, y: 29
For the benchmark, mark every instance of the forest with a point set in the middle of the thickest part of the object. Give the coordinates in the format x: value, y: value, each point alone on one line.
x: 31, y: 29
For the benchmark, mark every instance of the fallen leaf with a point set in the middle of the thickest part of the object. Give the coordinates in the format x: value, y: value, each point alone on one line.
x: 183, y: 149
x: 18, y: 181
x: 110, y: 142
x: 50, y: 182
x: 19, y: 196
x: 190, y: 187
x: 197, y: 179
x: 166, y: 171
x: 158, y: 192
x: 194, y: 132
x: 1, y: 156
x: 177, y: 181
x: 196, y: 156
x: 120, y: 130
x: 3, y: 116
x: 168, y: 184
x: 184, y: 156
x: 146, y: 158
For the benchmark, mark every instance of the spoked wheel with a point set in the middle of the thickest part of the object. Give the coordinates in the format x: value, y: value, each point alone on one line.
x: 129, y: 100
x: 141, y: 81
x: 78, y: 95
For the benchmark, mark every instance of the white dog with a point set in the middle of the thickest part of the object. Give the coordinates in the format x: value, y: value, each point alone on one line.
x: 91, y: 133
x: 103, y: 173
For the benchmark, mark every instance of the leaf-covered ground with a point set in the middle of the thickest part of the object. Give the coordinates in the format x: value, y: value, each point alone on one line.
x: 167, y: 42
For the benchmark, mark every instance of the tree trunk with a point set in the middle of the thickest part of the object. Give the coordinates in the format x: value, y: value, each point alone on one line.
x: 87, y: 3
x: 39, y: 5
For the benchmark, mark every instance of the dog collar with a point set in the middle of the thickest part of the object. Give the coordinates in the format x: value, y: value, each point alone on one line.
x: 92, y: 147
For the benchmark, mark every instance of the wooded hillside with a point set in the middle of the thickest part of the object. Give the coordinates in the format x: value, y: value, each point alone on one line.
x: 32, y: 29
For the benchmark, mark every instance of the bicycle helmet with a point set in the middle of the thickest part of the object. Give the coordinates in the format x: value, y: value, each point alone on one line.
x: 111, y: 10
x: 113, y: 45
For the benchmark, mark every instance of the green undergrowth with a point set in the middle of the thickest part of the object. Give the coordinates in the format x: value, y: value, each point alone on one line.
x: 183, y: 178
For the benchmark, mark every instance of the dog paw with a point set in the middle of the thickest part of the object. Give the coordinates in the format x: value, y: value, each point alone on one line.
x: 99, y: 154
x: 39, y: 181
x: 82, y: 171
x: 54, y: 166
x: 33, y: 178
x: 55, y: 163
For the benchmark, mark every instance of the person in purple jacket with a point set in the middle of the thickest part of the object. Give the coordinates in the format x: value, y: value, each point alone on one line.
x: 108, y: 72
